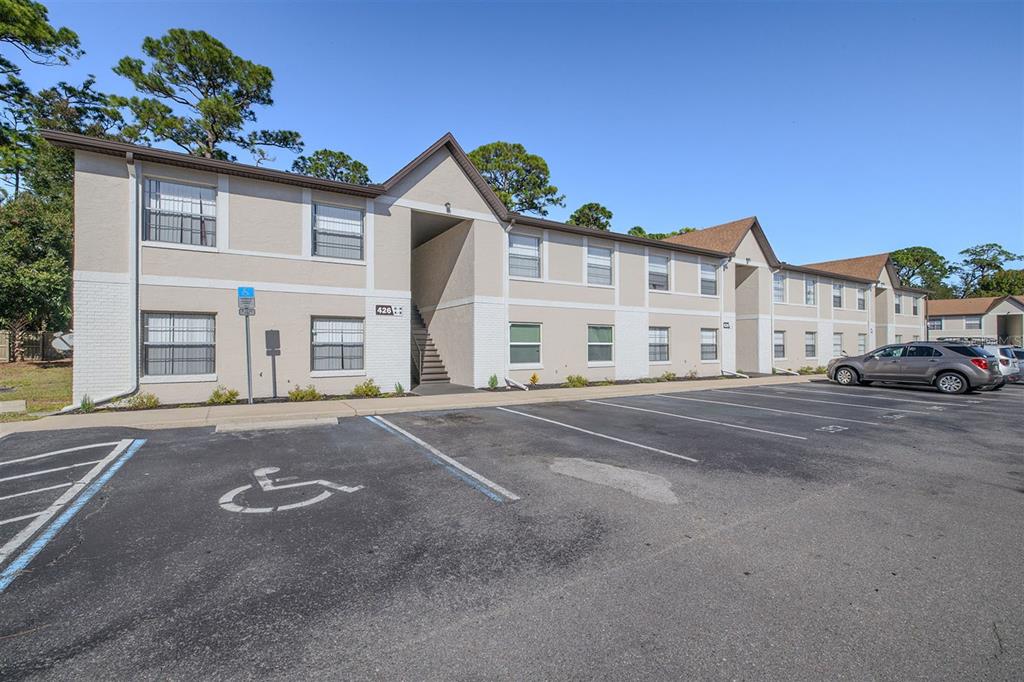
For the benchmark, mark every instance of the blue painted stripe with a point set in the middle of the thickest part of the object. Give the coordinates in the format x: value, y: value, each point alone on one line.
x: 458, y: 474
x: 16, y: 566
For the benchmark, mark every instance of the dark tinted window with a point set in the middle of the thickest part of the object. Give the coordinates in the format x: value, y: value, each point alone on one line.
x: 892, y: 352
x: 922, y: 352
x: 1006, y: 352
x: 969, y: 351
x: 1019, y: 354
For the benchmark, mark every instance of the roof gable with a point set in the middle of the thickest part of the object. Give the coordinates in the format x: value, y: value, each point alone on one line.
x: 727, y: 238
x: 863, y: 267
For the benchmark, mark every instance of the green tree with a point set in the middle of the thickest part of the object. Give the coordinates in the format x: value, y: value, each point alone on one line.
x: 638, y: 231
x: 331, y: 164
x: 25, y: 26
x: 199, y: 95
x: 35, y: 280
x: 1002, y: 283
x: 592, y: 215
x: 920, y: 266
x: 978, y: 263
x: 521, y: 180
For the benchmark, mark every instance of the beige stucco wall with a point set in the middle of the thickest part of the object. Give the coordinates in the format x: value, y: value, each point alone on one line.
x: 632, y: 275
x: 101, y: 213
x: 565, y: 257
x: 392, y: 247
x: 440, y: 180
x: 795, y: 356
x: 162, y: 261
x: 268, y: 216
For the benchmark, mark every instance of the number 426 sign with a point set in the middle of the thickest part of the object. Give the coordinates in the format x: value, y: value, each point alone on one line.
x: 387, y: 309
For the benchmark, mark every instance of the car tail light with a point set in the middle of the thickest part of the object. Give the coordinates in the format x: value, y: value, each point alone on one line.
x: 1004, y: 362
x: 980, y: 363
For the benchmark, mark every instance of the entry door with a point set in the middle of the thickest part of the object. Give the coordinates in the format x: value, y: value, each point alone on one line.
x: 884, y: 364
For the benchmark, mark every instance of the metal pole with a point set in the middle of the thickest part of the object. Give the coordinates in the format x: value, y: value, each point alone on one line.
x: 248, y: 358
x: 273, y: 373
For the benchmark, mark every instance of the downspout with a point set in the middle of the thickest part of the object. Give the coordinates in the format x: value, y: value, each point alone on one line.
x: 509, y: 381
x: 771, y: 310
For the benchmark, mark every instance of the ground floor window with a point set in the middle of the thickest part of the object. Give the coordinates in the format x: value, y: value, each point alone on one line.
x: 779, y: 344
x: 708, y: 344
x: 599, y: 343
x: 337, y: 343
x: 178, y: 344
x: 837, y: 345
x: 657, y: 344
x: 810, y: 344
x: 523, y: 344
x: 935, y: 323
x: 972, y: 322
x: 899, y: 338
x: 862, y: 344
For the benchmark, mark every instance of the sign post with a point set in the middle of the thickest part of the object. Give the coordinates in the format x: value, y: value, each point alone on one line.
x: 272, y: 337
x: 247, y: 308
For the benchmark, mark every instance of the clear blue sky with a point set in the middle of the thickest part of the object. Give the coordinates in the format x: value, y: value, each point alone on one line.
x: 846, y: 128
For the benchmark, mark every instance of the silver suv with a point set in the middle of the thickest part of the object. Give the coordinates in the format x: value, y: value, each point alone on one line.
x: 950, y: 367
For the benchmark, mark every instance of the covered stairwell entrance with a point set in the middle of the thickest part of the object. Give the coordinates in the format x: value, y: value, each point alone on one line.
x: 427, y: 366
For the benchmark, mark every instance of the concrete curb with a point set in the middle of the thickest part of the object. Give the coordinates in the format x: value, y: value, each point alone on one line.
x: 238, y: 417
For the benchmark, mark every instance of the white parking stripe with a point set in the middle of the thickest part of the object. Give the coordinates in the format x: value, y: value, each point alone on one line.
x: 770, y: 409
x: 37, y: 490
x: 698, y: 419
x: 448, y: 460
x: 48, y: 471
x: 59, y: 452
x: 828, y: 402
x: 937, y: 398
x: 22, y: 518
x: 865, y: 397
x: 600, y: 435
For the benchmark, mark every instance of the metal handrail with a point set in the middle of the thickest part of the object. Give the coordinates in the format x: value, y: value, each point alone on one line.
x: 417, y: 359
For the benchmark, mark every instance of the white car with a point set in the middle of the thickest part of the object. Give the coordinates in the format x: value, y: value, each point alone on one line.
x: 1009, y: 365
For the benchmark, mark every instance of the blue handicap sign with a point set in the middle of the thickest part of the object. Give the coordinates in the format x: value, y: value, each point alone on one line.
x: 246, y: 292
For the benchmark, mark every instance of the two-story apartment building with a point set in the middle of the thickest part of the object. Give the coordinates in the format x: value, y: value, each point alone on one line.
x: 344, y: 273
x: 994, y: 317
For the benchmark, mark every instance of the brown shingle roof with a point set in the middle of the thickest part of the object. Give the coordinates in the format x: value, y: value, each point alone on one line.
x: 725, y: 237
x: 863, y: 267
x: 966, y: 306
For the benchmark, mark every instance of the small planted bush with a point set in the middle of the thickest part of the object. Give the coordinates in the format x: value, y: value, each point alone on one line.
x: 222, y: 396
x: 300, y: 394
x: 576, y: 381
x: 399, y: 389
x: 534, y: 379
x: 367, y: 389
x: 692, y: 374
x: 142, y: 401
x: 87, y: 405
x: 668, y: 376
x: 493, y: 381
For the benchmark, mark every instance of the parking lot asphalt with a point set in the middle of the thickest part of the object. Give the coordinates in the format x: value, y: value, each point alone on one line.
x: 796, y: 532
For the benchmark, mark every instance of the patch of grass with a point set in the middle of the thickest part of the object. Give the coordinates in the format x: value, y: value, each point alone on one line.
x: 43, y: 387
x: 811, y: 370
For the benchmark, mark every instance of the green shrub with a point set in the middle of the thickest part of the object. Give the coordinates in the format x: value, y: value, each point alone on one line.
x: 668, y: 376
x: 692, y: 374
x: 299, y: 394
x: 222, y: 396
x: 399, y: 389
x: 87, y: 405
x: 493, y: 381
x: 142, y: 401
x: 367, y: 389
x: 534, y: 379
x: 809, y: 369
x: 576, y: 381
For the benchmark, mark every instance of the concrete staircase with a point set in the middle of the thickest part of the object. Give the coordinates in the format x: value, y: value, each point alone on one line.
x: 432, y: 371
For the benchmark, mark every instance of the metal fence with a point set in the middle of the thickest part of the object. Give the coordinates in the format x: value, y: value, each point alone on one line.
x: 38, y: 347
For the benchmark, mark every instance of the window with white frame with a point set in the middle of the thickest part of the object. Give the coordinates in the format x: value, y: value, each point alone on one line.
x: 657, y: 344
x: 599, y: 265
x: 599, y: 343
x: 779, y: 344
x: 837, y: 345
x: 657, y: 272
x: 810, y: 344
x: 708, y: 279
x: 862, y: 300
x: 837, y: 295
x: 176, y: 344
x: 337, y: 232
x: 915, y: 308
x: 899, y: 338
x: 178, y: 213
x: 935, y: 323
x: 899, y: 304
x: 523, y: 343
x: 708, y: 344
x: 862, y: 344
x: 779, y: 287
x: 810, y: 291
x: 337, y: 344
x: 972, y: 322
x: 523, y: 255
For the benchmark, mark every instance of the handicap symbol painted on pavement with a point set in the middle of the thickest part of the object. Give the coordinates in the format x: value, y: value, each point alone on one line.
x: 267, y: 484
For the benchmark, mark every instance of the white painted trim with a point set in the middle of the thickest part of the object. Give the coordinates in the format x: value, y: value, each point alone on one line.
x: 279, y: 287
x: 178, y: 379
x: 437, y: 208
x: 602, y: 363
x: 327, y: 373
x: 149, y: 243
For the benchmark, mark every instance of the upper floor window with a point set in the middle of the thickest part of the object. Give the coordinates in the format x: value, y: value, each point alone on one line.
x: 862, y: 301
x: 915, y: 303
x: 176, y: 344
x: 810, y: 291
x: 657, y: 273
x: 779, y: 287
x: 599, y: 265
x: 935, y: 323
x: 973, y: 322
x: 837, y: 295
x: 337, y: 343
x: 179, y: 214
x: 337, y: 232
x: 523, y: 256
x: 899, y: 304
x: 708, y: 279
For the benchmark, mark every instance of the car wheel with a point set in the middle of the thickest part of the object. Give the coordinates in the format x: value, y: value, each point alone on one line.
x: 951, y: 382
x: 998, y: 388
x: 846, y: 376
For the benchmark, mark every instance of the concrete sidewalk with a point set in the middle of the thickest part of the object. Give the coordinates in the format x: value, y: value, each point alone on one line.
x: 264, y: 414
